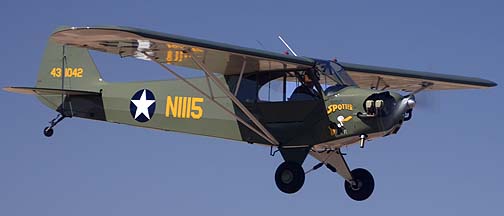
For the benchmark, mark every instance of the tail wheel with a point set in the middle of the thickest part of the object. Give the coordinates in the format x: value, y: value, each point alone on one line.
x: 289, y: 177
x: 362, y: 186
x: 48, y: 131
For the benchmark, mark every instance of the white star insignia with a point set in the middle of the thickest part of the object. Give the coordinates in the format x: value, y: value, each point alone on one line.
x: 142, y: 105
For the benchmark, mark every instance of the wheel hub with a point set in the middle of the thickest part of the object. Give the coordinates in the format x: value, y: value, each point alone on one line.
x: 356, y: 185
x: 287, y: 176
x: 361, y: 186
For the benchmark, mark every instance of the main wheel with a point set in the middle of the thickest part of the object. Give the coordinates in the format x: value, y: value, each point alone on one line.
x: 48, y: 132
x: 289, y: 177
x: 363, y: 185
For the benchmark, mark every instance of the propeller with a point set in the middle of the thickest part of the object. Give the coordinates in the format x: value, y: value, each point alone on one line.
x: 427, y: 101
x: 407, y: 103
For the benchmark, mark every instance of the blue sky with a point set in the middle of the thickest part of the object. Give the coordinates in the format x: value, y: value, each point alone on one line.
x: 446, y: 161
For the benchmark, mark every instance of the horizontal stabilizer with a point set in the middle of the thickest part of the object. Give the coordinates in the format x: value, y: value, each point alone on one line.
x: 47, y: 91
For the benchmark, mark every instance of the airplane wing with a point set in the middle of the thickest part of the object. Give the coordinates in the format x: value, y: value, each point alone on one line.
x: 230, y: 59
x: 408, y: 80
x: 334, y: 161
x: 177, y: 50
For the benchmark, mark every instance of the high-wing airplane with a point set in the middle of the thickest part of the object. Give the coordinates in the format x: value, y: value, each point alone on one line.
x: 333, y: 105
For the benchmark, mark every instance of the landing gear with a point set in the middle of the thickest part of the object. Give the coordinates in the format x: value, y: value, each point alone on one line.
x: 48, y: 131
x: 361, y: 186
x: 289, y: 177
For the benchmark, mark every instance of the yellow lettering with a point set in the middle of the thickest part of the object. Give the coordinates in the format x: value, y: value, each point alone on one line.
x: 74, y: 72
x: 69, y: 72
x: 171, y: 106
x: 54, y: 72
x: 169, y: 56
x: 176, y: 56
x: 338, y: 107
x: 197, y: 111
x: 179, y: 107
x: 188, y: 111
x: 182, y: 55
x: 184, y: 107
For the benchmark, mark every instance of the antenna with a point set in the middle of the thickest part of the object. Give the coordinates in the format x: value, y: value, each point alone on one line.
x: 287, y: 45
x: 261, y: 44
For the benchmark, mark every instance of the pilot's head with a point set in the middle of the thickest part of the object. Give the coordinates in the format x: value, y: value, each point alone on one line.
x: 307, y: 80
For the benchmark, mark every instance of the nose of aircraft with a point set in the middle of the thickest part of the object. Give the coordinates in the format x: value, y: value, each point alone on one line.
x: 404, y: 104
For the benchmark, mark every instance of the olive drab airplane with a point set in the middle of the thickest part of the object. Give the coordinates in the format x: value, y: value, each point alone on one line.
x: 335, y: 104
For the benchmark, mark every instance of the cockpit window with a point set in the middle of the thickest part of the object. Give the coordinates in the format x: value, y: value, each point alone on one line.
x: 340, y: 72
x: 334, y: 74
x: 289, y: 84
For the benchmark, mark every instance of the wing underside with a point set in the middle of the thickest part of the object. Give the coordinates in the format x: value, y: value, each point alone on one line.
x: 178, y: 50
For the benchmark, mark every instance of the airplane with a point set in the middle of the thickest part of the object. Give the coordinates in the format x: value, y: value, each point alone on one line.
x: 335, y: 104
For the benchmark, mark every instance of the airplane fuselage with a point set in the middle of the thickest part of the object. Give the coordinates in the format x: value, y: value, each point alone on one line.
x: 176, y: 107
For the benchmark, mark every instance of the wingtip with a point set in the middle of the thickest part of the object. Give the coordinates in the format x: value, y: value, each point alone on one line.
x: 489, y: 83
x: 493, y: 84
x: 7, y: 88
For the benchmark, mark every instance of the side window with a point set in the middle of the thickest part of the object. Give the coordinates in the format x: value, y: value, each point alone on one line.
x: 274, y: 91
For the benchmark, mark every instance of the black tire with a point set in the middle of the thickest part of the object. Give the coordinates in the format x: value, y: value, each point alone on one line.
x: 289, y: 177
x: 364, y: 185
x: 48, y: 132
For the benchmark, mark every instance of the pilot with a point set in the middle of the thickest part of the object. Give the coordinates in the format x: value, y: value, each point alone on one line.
x: 305, y: 91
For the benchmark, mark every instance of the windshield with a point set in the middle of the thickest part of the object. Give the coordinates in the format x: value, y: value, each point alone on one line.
x: 341, y: 74
x: 333, y: 76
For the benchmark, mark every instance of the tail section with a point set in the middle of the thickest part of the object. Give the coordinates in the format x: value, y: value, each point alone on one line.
x: 68, y: 67
x: 71, y: 69
x: 69, y: 83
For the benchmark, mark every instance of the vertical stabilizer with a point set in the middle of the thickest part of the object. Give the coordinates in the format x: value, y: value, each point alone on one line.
x: 68, y: 67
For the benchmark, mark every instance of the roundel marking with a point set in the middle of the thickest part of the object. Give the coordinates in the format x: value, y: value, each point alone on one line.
x: 143, y: 105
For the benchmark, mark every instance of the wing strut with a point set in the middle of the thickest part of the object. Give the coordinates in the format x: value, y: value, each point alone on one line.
x: 242, y: 107
x: 240, y: 78
x: 209, y: 86
x: 263, y: 135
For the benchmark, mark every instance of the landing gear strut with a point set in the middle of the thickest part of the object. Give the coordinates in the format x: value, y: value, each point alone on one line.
x: 289, y: 177
x: 48, y: 131
x: 361, y: 186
